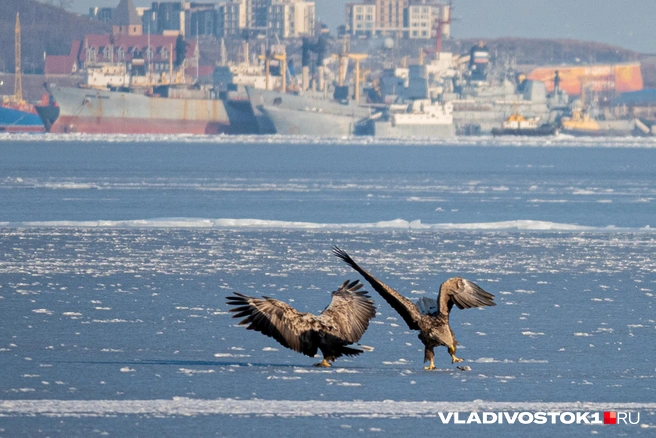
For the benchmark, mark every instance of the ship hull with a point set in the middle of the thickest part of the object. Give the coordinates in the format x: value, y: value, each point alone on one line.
x: 597, y: 133
x: 541, y: 131
x: 603, y: 128
x: 113, y: 112
x: 48, y: 114
x: 385, y: 129
x: 302, y: 115
x: 13, y: 120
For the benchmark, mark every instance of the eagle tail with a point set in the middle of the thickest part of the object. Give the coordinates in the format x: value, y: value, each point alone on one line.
x: 350, y: 351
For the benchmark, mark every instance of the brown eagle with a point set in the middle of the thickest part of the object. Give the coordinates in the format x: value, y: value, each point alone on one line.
x: 340, y: 324
x: 433, y: 326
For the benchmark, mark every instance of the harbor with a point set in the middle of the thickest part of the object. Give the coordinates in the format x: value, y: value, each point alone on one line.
x: 135, y: 82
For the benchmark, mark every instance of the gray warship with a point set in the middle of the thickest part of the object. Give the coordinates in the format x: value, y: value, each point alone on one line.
x: 311, y: 112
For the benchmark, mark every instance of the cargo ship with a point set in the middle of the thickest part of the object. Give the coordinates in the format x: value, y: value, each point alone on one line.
x: 174, y: 111
x: 114, y: 101
x: 19, y: 117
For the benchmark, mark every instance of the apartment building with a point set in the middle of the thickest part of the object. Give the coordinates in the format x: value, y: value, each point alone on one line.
x: 291, y: 18
x: 400, y: 18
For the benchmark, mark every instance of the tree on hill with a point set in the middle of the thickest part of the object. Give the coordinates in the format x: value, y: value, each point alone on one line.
x: 180, y: 51
x: 44, y: 29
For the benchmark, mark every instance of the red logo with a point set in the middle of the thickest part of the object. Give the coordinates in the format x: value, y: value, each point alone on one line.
x: 610, y: 417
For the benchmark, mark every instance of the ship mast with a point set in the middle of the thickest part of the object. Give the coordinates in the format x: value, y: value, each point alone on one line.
x: 439, y: 29
x: 18, y: 79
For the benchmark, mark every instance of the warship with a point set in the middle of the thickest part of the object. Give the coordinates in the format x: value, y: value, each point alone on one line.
x: 311, y: 113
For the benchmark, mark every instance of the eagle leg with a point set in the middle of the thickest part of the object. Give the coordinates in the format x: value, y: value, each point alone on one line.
x: 452, y: 352
x: 323, y: 364
x: 429, y: 356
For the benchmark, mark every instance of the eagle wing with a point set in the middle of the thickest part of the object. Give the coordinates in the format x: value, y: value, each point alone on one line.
x: 349, y: 311
x: 406, y: 308
x: 464, y: 294
x: 277, y: 320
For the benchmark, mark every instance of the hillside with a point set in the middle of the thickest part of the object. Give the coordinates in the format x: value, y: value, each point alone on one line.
x: 44, y: 29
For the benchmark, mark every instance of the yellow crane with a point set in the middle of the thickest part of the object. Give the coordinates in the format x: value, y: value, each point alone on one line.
x: 357, y: 57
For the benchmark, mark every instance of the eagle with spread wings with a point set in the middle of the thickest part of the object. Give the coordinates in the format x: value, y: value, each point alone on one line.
x: 433, y: 322
x: 332, y: 332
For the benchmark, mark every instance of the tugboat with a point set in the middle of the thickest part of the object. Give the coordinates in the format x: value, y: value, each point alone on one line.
x: 517, y: 124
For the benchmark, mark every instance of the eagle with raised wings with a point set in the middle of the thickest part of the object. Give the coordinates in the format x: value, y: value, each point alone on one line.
x: 432, y: 320
x: 333, y: 331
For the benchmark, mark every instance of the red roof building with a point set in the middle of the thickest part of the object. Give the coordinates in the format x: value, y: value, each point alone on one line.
x: 63, y: 64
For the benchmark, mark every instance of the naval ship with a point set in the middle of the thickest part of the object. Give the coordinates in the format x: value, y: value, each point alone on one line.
x: 311, y: 112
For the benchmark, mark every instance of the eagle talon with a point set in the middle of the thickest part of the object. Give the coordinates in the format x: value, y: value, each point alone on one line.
x: 323, y: 364
x: 456, y: 359
x: 430, y: 368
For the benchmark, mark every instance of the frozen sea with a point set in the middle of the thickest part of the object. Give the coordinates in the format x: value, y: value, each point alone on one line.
x: 117, y: 253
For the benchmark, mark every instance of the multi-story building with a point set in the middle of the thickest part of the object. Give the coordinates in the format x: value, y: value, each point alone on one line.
x: 361, y: 19
x: 222, y: 18
x: 291, y: 18
x: 402, y: 18
x: 258, y: 14
x: 231, y: 18
x: 420, y: 20
x: 168, y: 18
x: 102, y: 14
x: 389, y: 15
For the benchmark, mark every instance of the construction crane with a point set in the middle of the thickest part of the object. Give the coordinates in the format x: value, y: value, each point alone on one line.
x: 18, y: 79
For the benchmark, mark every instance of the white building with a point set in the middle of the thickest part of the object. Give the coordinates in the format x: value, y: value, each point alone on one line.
x: 284, y: 18
x: 291, y: 18
x: 361, y: 19
x: 419, y: 18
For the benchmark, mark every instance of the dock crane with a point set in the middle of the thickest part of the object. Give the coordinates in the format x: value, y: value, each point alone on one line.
x: 357, y: 57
